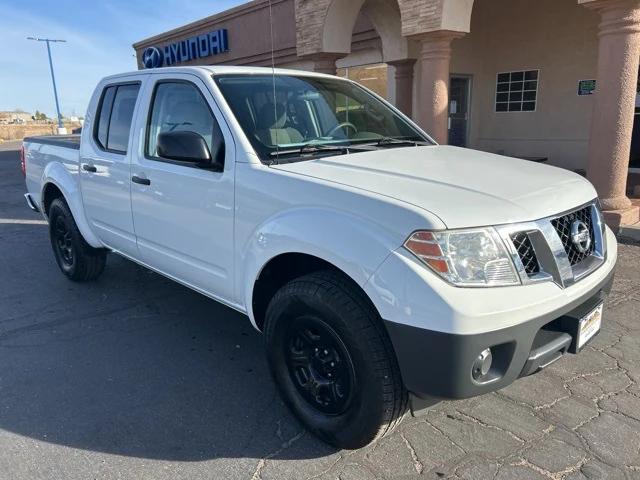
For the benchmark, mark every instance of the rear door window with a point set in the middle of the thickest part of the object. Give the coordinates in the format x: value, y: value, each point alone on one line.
x: 102, y: 129
x: 116, y: 114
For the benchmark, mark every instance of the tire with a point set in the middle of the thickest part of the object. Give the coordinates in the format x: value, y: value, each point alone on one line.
x: 333, y: 361
x: 76, y: 258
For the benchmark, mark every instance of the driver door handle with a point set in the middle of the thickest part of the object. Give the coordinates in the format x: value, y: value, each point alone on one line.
x: 89, y: 168
x: 141, y: 181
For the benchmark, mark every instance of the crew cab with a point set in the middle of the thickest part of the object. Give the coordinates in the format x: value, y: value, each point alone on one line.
x: 386, y: 271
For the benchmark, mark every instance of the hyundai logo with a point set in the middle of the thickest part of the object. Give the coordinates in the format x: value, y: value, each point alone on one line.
x: 580, y: 236
x: 152, y: 58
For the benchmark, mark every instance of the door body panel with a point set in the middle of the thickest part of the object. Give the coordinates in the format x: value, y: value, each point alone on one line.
x: 184, y: 218
x: 105, y: 179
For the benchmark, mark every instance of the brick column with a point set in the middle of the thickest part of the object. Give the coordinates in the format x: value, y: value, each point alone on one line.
x: 404, y: 84
x: 612, y: 122
x: 433, y: 91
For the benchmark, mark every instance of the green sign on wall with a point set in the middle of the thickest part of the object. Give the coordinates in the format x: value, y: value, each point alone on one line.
x: 586, y: 87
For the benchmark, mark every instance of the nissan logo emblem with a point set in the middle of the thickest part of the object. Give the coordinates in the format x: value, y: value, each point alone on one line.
x: 580, y: 236
x: 152, y: 58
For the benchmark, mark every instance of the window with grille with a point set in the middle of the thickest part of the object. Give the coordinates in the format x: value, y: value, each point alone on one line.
x: 517, y: 91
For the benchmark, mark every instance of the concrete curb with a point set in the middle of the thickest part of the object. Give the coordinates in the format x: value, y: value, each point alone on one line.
x: 631, y: 232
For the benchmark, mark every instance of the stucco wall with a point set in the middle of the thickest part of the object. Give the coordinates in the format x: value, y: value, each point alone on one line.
x: 559, y: 38
x: 249, y: 34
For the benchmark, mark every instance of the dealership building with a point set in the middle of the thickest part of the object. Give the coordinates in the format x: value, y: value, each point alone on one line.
x: 553, y: 81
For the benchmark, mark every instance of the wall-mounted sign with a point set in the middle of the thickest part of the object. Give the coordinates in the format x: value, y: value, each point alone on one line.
x: 199, y: 46
x: 586, y: 87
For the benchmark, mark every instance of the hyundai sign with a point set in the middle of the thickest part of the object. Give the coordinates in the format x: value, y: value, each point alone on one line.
x: 199, y: 46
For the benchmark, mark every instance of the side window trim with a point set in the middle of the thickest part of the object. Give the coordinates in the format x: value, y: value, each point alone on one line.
x: 96, y: 125
x: 150, y: 115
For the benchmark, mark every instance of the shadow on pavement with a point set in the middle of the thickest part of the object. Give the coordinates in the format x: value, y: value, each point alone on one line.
x: 133, y: 364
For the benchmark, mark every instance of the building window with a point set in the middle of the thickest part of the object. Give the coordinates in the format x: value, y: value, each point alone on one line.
x: 517, y: 91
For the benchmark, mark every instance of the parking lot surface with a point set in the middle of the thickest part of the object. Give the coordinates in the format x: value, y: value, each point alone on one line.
x: 134, y: 376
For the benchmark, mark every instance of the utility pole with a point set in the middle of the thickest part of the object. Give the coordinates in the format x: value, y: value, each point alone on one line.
x: 48, y: 41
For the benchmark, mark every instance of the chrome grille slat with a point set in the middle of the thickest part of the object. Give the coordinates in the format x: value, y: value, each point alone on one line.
x: 563, y: 227
x: 543, y: 250
x: 526, y: 252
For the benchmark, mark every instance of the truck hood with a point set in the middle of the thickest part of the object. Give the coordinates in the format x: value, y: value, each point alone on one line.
x: 464, y: 188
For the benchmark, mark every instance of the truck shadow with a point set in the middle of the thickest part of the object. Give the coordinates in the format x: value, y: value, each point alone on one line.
x: 133, y: 365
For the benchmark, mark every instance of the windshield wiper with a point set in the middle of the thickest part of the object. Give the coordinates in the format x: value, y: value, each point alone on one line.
x: 399, y: 141
x: 311, y: 148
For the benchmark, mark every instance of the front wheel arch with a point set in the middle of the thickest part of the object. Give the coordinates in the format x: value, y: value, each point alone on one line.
x: 281, y: 269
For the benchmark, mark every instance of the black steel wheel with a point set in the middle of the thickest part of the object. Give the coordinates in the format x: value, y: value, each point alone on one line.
x: 320, y: 365
x: 332, y: 360
x: 62, y: 241
x: 75, y: 257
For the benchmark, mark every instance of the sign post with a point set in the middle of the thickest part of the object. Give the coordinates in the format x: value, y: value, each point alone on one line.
x: 61, y: 129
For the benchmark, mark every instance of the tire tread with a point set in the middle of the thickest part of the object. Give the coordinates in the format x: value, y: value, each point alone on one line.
x: 366, y: 322
x: 90, y: 262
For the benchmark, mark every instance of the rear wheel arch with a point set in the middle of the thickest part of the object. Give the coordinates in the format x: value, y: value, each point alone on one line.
x: 57, y: 185
x: 78, y: 260
x: 49, y: 193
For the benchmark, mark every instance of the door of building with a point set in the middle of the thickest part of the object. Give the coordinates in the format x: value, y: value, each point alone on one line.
x: 634, y: 161
x: 459, y: 102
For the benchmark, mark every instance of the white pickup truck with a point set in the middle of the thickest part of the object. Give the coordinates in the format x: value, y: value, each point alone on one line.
x: 386, y: 271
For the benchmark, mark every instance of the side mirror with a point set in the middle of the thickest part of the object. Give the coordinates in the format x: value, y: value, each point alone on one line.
x: 189, y: 147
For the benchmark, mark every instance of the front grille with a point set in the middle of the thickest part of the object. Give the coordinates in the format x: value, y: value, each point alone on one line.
x: 563, y: 227
x: 526, y: 252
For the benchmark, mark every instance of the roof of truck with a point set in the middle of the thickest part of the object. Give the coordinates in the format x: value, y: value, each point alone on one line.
x: 219, y: 70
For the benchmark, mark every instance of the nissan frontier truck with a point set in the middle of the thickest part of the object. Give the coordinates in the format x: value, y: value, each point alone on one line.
x: 385, y: 271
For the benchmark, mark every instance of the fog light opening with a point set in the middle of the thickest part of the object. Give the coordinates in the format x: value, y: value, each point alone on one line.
x: 482, y: 364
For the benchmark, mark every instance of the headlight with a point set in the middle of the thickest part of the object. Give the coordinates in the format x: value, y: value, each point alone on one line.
x: 465, y: 258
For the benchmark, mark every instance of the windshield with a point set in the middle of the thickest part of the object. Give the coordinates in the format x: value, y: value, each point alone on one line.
x: 312, y: 115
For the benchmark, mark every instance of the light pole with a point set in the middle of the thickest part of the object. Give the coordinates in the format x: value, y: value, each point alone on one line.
x: 48, y: 41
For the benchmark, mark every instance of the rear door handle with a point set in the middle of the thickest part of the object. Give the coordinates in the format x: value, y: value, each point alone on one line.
x: 141, y: 181
x: 89, y: 168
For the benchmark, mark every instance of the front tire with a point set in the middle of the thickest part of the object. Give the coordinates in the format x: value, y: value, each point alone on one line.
x: 76, y: 258
x: 333, y: 361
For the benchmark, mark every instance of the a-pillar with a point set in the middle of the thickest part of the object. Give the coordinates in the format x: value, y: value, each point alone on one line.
x: 433, y: 90
x: 613, y: 111
x: 404, y: 84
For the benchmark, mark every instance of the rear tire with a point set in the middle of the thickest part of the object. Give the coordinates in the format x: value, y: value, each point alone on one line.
x: 78, y: 260
x: 333, y: 361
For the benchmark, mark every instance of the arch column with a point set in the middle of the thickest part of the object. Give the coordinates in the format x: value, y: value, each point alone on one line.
x: 404, y: 84
x: 325, y: 62
x: 433, y: 90
x: 613, y: 111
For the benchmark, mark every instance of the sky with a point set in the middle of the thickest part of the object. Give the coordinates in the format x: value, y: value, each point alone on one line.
x: 99, y: 35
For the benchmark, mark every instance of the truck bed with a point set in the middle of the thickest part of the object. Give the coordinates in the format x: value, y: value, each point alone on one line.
x: 49, y: 152
x: 67, y: 141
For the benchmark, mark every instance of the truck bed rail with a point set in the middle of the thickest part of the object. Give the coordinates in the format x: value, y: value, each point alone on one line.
x: 67, y: 141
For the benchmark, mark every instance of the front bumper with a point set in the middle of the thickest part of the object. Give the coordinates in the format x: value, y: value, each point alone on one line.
x: 438, y: 330
x: 439, y: 365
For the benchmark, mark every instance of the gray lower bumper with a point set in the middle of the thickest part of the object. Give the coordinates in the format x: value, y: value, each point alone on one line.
x: 439, y: 365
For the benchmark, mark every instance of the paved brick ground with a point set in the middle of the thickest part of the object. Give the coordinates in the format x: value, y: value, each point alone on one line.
x: 136, y: 377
